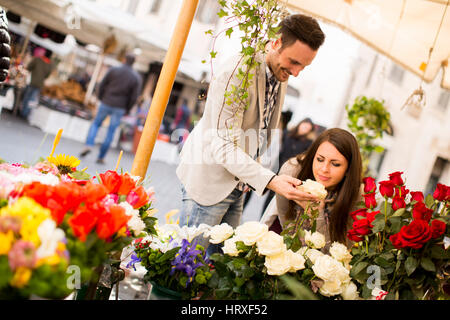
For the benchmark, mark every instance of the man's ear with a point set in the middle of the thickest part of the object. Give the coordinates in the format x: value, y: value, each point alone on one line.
x: 276, y: 44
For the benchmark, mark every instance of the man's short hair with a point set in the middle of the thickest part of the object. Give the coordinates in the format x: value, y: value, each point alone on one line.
x: 303, y: 28
x: 130, y: 58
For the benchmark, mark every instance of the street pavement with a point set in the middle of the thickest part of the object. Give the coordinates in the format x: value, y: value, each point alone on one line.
x: 23, y: 143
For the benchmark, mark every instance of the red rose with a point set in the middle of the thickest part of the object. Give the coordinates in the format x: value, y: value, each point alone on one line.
x: 396, y: 241
x: 401, y: 192
x: 359, y: 213
x: 370, y: 200
x: 111, y: 180
x: 361, y: 227
x: 417, y: 196
x: 369, y: 184
x: 441, y: 192
x: 437, y: 228
x: 398, y: 202
x: 386, y: 188
x: 371, y: 216
x: 396, y: 178
x: 352, y: 235
x: 414, y: 235
x: 421, y: 212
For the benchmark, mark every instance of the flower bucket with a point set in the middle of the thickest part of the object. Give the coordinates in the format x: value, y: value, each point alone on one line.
x: 162, y: 293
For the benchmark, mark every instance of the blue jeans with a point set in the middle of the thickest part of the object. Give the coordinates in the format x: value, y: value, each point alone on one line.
x: 115, y: 114
x: 227, y: 211
x: 31, y: 94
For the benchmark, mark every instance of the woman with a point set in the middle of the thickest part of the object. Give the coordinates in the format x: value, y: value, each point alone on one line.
x: 334, y: 161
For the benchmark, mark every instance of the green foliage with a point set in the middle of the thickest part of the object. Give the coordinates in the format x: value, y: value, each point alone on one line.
x: 256, y: 23
x: 368, y: 119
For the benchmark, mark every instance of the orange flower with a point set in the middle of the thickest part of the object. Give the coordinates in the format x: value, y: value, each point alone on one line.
x: 111, y: 180
x: 110, y: 223
x: 127, y: 184
x: 138, y: 197
x: 82, y: 222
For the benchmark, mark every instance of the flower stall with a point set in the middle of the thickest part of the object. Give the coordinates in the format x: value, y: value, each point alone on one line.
x: 58, y: 226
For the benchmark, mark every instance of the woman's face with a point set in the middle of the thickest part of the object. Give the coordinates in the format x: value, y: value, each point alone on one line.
x: 304, y: 128
x: 329, y: 165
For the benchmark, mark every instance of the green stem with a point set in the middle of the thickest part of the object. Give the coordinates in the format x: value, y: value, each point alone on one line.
x: 385, y: 221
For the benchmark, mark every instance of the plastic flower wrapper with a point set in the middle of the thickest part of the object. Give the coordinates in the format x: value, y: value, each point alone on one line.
x: 33, y: 253
x: 173, y: 260
x: 400, y: 235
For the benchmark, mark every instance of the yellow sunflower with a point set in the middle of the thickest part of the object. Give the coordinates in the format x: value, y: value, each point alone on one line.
x: 65, y: 163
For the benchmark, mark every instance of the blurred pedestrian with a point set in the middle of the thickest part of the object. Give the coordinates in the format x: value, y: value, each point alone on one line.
x: 40, y: 68
x: 118, y: 92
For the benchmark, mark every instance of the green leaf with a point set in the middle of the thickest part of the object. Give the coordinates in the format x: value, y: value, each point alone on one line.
x: 229, y: 32
x: 378, y: 223
x: 429, y: 200
x: 222, y: 13
x: 358, y: 268
x: 411, y: 264
x: 213, y: 54
x: 396, y: 224
x: 427, y: 264
x: 399, y: 212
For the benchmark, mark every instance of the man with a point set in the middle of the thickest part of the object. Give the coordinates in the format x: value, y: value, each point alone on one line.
x: 40, y: 68
x: 117, y: 92
x: 215, y: 171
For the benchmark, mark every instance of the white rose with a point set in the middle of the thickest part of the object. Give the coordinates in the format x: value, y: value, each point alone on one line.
x: 328, y: 269
x: 313, y: 187
x: 135, y: 223
x: 251, y: 231
x: 279, y: 264
x: 315, y: 240
x: 350, y: 291
x: 50, y: 236
x: 219, y: 233
x: 297, y: 261
x: 229, y: 246
x: 271, y: 244
x: 340, y: 252
x: 331, y: 288
x: 313, y: 254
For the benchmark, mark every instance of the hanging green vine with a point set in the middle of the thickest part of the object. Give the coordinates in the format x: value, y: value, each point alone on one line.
x: 368, y: 119
x: 257, y: 20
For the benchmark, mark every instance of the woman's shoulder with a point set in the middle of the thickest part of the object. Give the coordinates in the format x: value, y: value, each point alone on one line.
x: 291, y: 167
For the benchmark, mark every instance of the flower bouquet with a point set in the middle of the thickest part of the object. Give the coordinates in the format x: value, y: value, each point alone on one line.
x: 94, y: 221
x: 402, y: 241
x: 255, y: 262
x: 173, y: 260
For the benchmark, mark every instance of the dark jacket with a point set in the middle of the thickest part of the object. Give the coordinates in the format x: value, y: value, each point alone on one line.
x: 120, y: 87
x: 292, y: 146
x: 5, y: 49
x: 40, y: 69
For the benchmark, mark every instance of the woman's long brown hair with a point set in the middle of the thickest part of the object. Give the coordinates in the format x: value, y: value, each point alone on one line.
x: 347, y: 191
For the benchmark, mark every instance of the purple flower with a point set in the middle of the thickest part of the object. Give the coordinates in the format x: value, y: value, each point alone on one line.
x: 134, y: 260
x: 186, y: 260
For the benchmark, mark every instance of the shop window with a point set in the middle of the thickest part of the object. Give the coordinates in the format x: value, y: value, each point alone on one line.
x: 396, y: 75
x: 207, y: 11
x: 443, y: 100
x: 155, y: 6
x: 47, y: 33
x: 12, y: 17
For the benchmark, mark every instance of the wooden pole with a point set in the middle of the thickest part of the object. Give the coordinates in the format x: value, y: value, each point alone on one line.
x: 163, y: 88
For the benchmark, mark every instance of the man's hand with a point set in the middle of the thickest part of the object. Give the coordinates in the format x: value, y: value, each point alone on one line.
x: 286, y: 186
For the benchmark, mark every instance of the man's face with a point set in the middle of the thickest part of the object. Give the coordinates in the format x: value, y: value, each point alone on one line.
x: 289, y: 60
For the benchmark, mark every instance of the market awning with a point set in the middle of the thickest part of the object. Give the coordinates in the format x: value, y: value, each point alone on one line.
x: 404, y: 31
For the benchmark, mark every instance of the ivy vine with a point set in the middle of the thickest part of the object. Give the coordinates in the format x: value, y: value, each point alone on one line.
x: 368, y: 119
x: 257, y: 21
